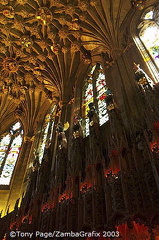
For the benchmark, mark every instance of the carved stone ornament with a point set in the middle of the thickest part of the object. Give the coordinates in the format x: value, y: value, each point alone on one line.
x: 139, y: 4
x: 29, y: 138
x: 10, y: 65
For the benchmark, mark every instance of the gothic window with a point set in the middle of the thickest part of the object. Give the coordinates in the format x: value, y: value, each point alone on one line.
x: 148, y: 34
x: 95, y: 91
x: 88, y: 98
x: 10, y: 145
x: 47, y: 131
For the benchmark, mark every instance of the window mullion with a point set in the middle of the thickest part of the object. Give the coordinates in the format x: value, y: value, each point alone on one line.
x: 94, y: 78
x: 6, y: 155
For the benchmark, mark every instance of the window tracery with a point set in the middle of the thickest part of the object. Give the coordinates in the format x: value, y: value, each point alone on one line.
x: 88, y: 98
x: 46, y: 133
x: 148, y: 35
x: 10, y: 145
x: 95, y: 91
x: 101, y: 95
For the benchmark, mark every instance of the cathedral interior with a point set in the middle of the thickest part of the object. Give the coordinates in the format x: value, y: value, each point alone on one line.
x: 79, y: 119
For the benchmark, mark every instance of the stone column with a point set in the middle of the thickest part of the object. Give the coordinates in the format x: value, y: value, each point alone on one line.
x: 16, y: 186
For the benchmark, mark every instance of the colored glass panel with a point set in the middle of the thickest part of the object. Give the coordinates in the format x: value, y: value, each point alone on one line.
x: 101, y: 95
x: 88, y: 98
x: 149, y: 14
x: 149, y: 34
x: 99, y: 83
x: 10, y: 146
x: 47, y: 133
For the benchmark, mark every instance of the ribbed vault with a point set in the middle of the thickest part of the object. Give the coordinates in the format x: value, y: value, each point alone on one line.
x: 46, y: 45
x: 47, y: 39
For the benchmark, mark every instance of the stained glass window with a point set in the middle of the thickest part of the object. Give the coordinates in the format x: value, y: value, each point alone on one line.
x: 101, y: 95
x: 148, y: 34
x: 10, y: 145
x: 95, y: 80
x: 88, y: 98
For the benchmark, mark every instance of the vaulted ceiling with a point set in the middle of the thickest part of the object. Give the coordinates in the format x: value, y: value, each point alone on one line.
x: 46, y: 44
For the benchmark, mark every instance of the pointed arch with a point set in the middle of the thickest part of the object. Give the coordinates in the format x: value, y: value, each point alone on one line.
x: 146, y: 38
x: 149, y: 26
